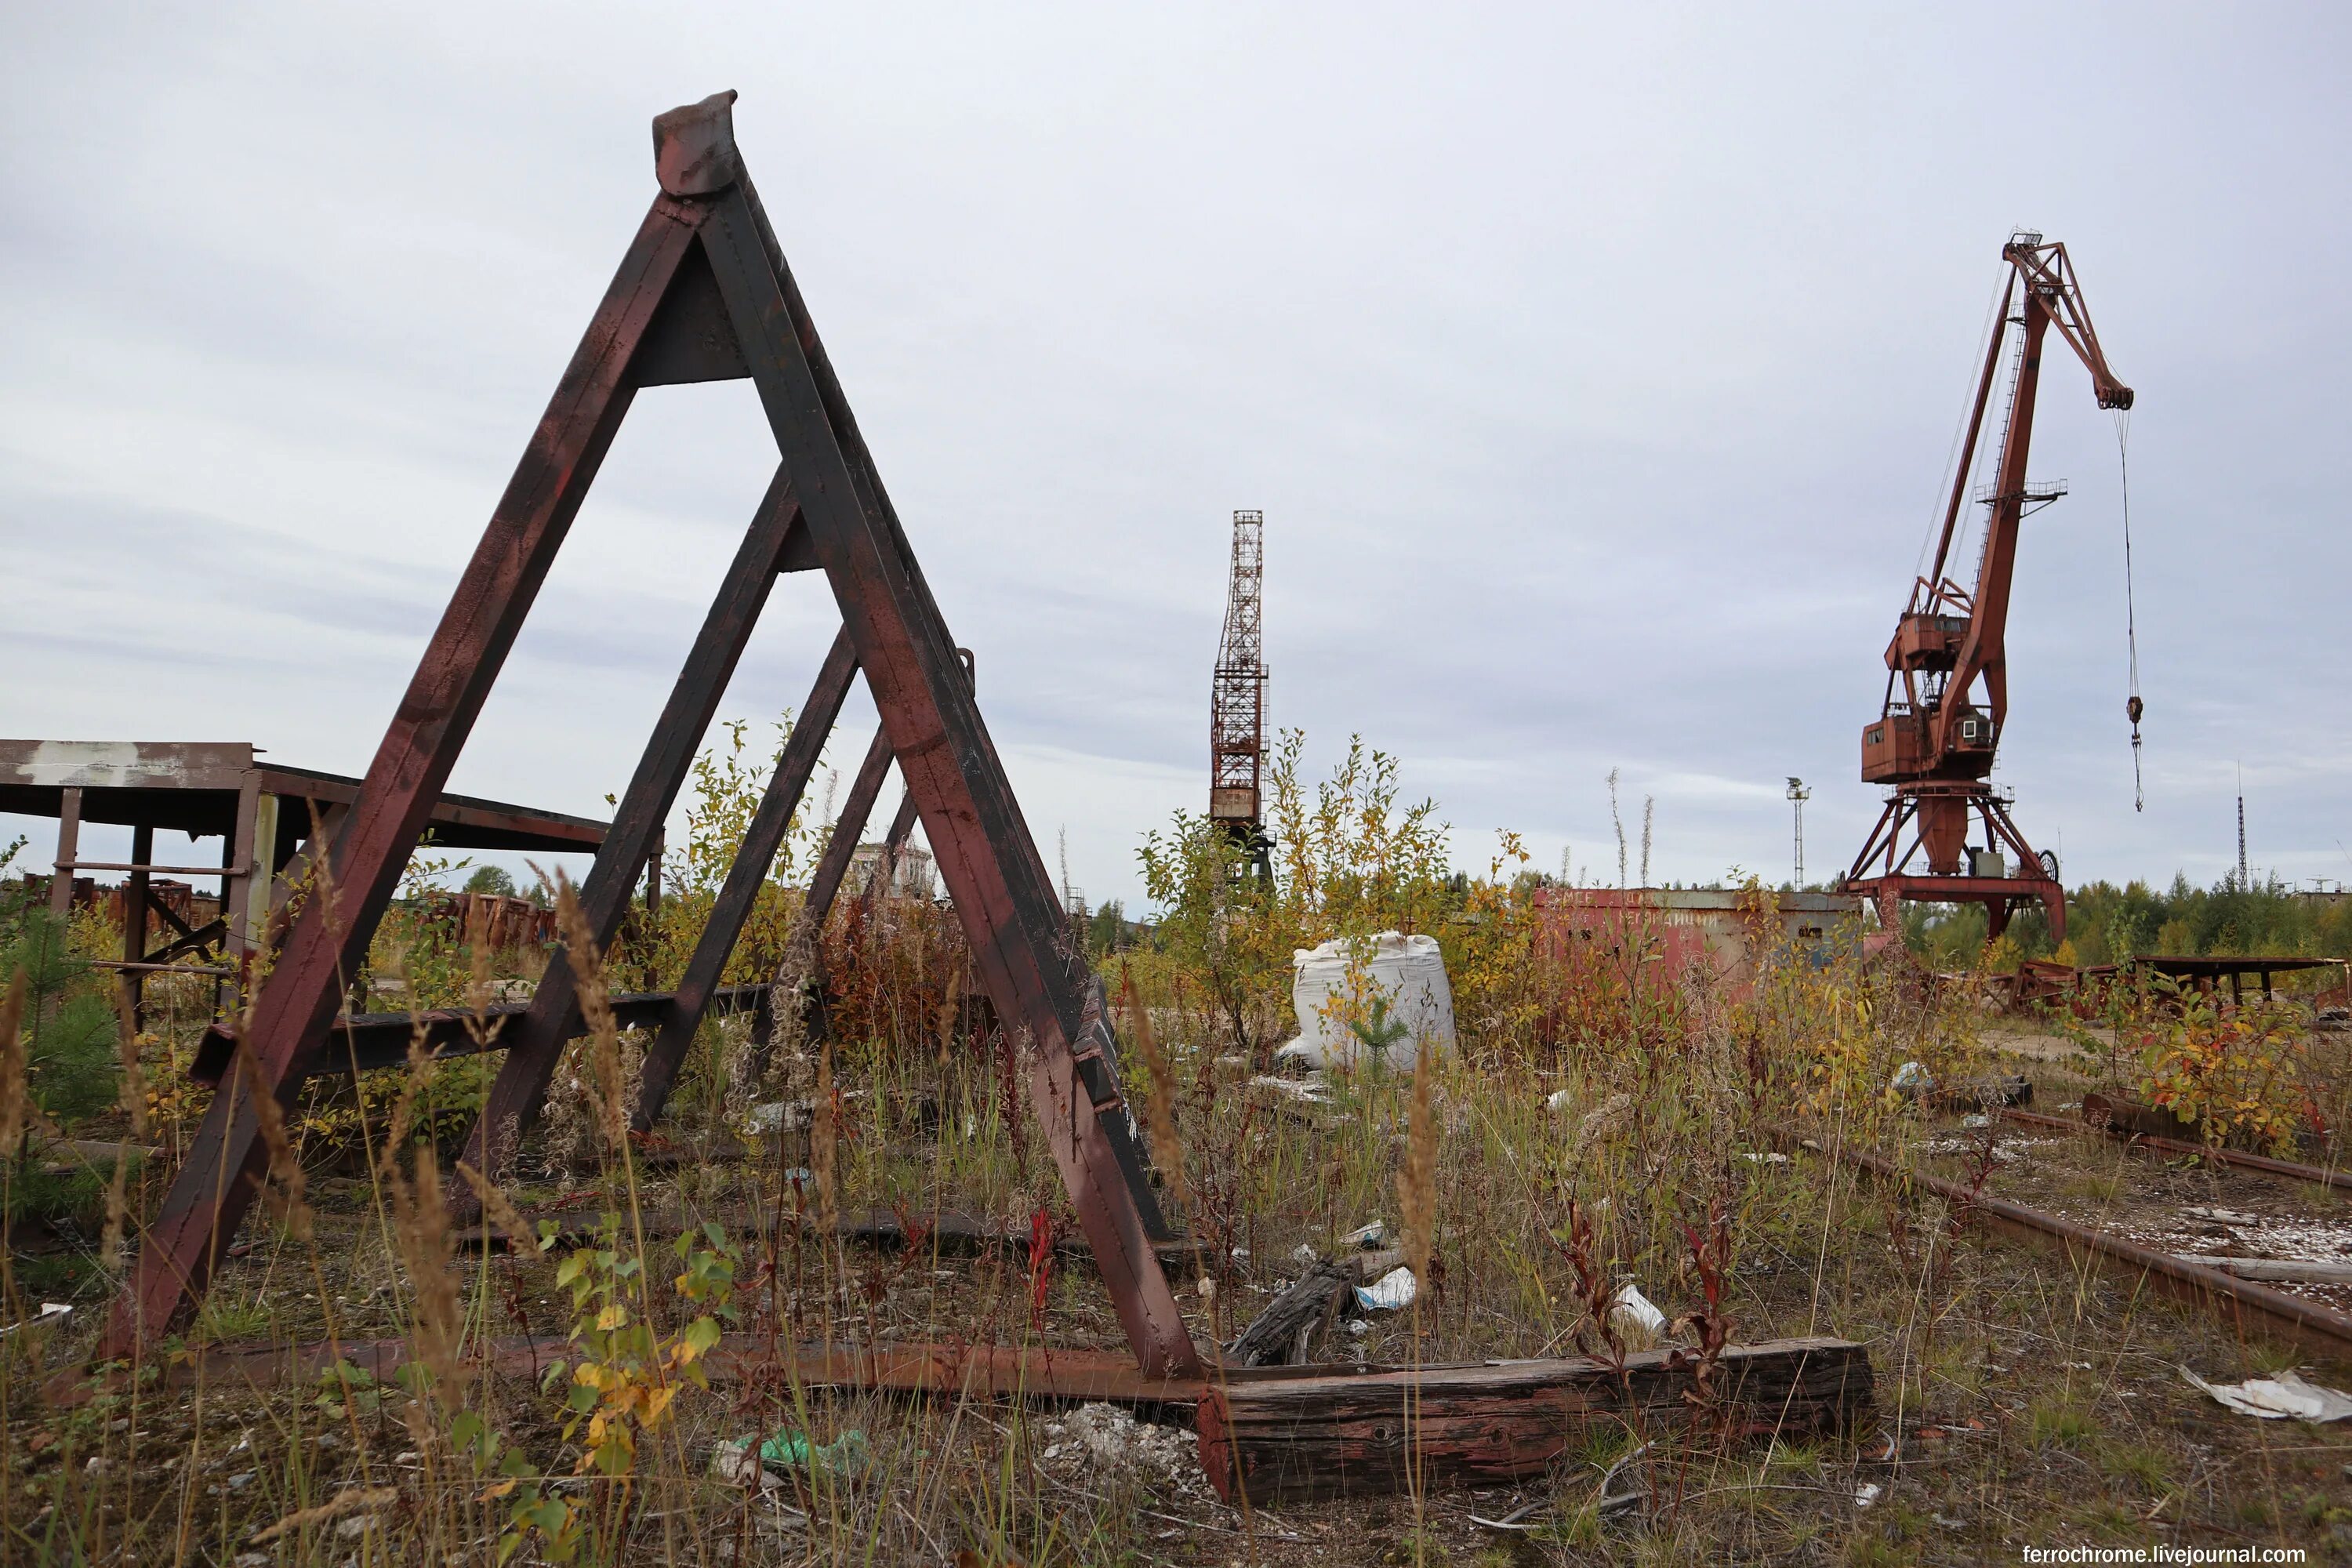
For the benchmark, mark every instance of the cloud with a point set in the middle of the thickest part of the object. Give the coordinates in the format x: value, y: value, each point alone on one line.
x: 1595, y: 373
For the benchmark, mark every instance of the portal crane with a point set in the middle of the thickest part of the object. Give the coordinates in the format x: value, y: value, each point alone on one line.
x: 1933, y: 742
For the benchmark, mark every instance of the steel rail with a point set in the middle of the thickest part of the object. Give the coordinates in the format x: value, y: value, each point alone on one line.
x: 2246, y: 1304
x: 2319, y: 1175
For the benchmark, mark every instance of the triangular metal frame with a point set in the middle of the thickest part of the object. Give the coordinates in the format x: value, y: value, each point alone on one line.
x: 703, y: 294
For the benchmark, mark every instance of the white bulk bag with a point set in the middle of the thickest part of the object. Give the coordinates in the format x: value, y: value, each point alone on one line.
x: 1407, y: 969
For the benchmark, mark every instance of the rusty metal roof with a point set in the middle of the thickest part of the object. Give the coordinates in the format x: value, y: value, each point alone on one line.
x: 191, y: 786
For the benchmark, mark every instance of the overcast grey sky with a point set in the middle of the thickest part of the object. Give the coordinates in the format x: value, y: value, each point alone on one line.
x: 1596, y: 375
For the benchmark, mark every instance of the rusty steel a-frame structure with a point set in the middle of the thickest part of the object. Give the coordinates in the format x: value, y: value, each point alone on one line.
x: 703, y: 294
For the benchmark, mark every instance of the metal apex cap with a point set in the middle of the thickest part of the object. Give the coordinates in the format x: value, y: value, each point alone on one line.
x: 694, y: 147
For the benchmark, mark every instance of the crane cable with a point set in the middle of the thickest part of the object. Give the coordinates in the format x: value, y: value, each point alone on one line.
x: 2132, y: 707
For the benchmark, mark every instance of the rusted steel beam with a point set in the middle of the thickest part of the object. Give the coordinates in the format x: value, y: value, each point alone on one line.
x: 757, y: 853
x: 61, y: 876
x: 2242, y: 1303
x: 134, y: 925
x: 2318, y: 1174
x: 1011, y: 920
x: 914, y: 1367
x: 946, y: 1230
x: 1307, y: 1438
x: 137, y: 865
x: 208, y: 1198
x: 381, y: 1039
x: 460, y: 821
x: 537, y: 1043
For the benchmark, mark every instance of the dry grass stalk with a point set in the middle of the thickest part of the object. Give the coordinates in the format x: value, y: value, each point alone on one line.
x: 609, y: 1088
x: 135, y: 1079
x: 499, y: 1208
x: 13, y: 1096
x: 1417, y: 1179
x: 1160, y: 1099
x: 350, y: 1501
x: 284, y: 1185
x: 821, y: 1133
x: 951, y: 1010
x: 788, y: 1018
x: 481, y: 980
x: 422, y: 1067
x: 422, y: 1224
x: 133, y: 1088
x: 118, y: 1214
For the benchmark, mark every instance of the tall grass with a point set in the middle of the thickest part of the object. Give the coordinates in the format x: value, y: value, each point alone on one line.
x: 609, y: 1275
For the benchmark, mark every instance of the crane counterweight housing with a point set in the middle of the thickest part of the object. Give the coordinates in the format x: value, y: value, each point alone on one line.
x: 1947, y: 703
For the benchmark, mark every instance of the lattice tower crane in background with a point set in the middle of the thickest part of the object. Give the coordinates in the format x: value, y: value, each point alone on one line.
x: 1237, y: 701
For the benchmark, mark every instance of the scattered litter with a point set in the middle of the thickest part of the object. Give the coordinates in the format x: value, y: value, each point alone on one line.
x: 1390, y: 1291
x: 1913, y: 1080
x: 780, y: 1116
x: 2002, y: 1154
x: 1925, y: 1439
x: 2275, y: 1398
x: 1953, y: 1524
x: 1306, y: 1091
x: 1615, y: 1504
x: 1867, y: 1494
x: 1634, y: 1314
x: 1359, y: 1327
x: 1519, y: 1518
x: 785, y: 1450
x: 1604, y: 1118
x: 734, y: 1463
x: 1560, y: 1099
x: 1770, y: 1157
x: 1304, y: 1256
x: 1976, y: 1119
x: 847, y: 1455
x: 1099, y: 1438
x: 51, y: 1312
x: 2223, y: 1216
x: 1368, y: 1237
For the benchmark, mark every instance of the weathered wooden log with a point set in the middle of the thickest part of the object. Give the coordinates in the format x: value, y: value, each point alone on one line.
x: 1282, y: 1334
x: 1302, y: 1438
x: 1984, y: 1093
